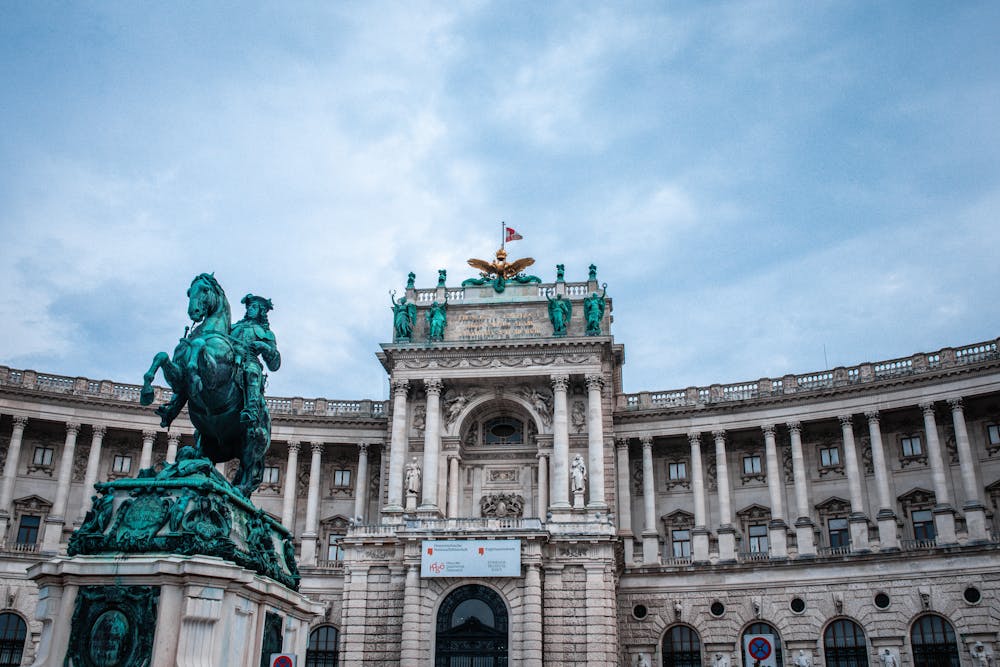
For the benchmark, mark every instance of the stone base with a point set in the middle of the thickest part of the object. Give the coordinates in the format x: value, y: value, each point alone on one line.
x: 778, y: 537
x: 198, y: 610
x: 699, y: 544
x: 858, y: 524
x: 310, y: 545
x: 888, y: 537
x: 52, y: 535
x: 805, y: 537
x: 975, y: 522
x: 727, y: 544
x: 650, y: 548
x: 944, y: 525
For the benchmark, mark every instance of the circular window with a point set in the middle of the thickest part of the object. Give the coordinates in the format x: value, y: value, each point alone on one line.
x: 798, y: 605
x: 717, y: 609
x: 882, y: 601
x: 972, y: 595
x: 640, y: 612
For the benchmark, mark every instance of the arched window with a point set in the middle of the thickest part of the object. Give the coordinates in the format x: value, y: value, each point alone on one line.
x: 761, y: 628
x: 503, y: 431
x: 933, y: 641
x: 472, y: 629
x: 322, y: 649
x: 681, y: 647
x: 12, y: 633
x: 844, y: 644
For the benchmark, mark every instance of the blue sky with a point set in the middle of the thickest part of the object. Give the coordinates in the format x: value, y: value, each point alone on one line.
x: 767, y: 188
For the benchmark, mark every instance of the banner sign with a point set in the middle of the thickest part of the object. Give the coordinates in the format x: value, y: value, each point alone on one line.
x: 758, y: 651
x: 470, y: 558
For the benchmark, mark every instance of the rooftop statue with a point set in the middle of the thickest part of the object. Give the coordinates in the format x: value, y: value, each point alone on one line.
x: 500, y: 272
x: 560, y: 310
x: 404, y: 316
x: 217, y: 372
x: 437, y: 320
x: 593, y: 311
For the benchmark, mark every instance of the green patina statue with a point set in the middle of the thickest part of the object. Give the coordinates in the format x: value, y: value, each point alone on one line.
x: 500, y: 272
x: 215, y: 370
x: 593, y: 311
x: 437, y: 320
x: 560, y: 273
x: 411, y: 277
x: 560, y: 310
x: 442, y: 277
x: 592, y: 276
x: 404, y: 316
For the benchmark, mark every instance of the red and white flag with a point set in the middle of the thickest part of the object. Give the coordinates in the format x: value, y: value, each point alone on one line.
x: 512, y: 235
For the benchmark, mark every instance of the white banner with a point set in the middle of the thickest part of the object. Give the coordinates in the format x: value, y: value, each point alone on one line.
x: 759, y: 650
x: 470, y: 558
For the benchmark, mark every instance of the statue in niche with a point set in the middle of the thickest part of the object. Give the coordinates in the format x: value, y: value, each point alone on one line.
x: 578, y: 474
x: 560, y: 311
x: 981, y: 655
x: 413, y: 478
x: 404, y: 314
x: 579, y: 416
x: 437, y: 320
x: 642, y: 660
x: 720, y: 659
x: 887, y: 658
x: 419, y: 417
x: 803, y: 660
x: 593, y: 311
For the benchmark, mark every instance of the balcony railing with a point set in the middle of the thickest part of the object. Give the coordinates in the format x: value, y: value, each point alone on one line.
x: 834, y: 551
x: 748, y: 556
x: 333, y: 565
x: 917, y: 545
x: 18, y: 548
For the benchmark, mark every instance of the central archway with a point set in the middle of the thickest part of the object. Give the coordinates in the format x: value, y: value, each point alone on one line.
x: 472, y: 629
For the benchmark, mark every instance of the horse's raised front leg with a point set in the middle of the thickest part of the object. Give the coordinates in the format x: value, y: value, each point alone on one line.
x: 146, y: 395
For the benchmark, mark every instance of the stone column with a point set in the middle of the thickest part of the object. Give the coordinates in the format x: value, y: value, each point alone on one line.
x: 93, y: 462
x: 776, y: 530
x: 559, y: 493
x: 803, y: 523
x: 886, y: 516
x: 397, y: 447
x: 57, y: 518
x: 699, y: 535
x: 858, y: 520
x: 291, y: 486
x: 453, y: 460
x: 173, y: 440
x: 10, y: 473
x: 650, y: 538
x: 727, y: 534
x: 432, y: 447
x: 595, y: 443
x: 146, y: 457
x: 532, y: 639
x: 310, y: 535
x: 543, y: 485
x: 361, y: 484
x: 477, y: 490
x: 624, y: 499
x: 944, y: 515
x: 410, y: 642
x: 975, y: 512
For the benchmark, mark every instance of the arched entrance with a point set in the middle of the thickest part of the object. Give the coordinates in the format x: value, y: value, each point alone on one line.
x: 933, y: 642
x: 472, y: 629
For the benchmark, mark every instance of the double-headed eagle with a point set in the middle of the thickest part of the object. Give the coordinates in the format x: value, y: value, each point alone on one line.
x: 501, y: 268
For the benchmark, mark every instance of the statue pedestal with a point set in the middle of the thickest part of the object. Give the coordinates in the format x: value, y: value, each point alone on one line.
x: 578, y: 500
x: 169, y: 610
x: 411, y: 501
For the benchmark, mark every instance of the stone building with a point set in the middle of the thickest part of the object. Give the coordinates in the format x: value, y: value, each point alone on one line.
x: 846, y: 516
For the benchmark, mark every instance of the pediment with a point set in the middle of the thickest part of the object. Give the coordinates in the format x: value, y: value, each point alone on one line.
x: 32, y: 504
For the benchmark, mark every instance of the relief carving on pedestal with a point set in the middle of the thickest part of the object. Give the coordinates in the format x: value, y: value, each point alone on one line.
x: 502, y: 505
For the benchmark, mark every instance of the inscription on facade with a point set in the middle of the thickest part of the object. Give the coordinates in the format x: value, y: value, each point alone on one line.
x: 479, y: 326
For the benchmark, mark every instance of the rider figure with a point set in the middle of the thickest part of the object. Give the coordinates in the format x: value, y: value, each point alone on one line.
x: 254, y: 337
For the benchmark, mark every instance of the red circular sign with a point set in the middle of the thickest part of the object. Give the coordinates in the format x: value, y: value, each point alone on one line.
x: 759, y: 648
x: 282, y: 661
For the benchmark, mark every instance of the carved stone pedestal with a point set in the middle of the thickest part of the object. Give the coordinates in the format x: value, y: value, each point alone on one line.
x: 164, y: 611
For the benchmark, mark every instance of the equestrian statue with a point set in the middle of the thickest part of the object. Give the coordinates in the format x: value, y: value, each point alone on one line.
x: 216, y: 370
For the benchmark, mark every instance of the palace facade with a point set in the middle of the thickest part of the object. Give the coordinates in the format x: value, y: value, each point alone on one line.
x: 847, y: 516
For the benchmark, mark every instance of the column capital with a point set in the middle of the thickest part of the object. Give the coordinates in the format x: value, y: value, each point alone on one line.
x: 621, y: 443
x: 768, y: 429
x: 694, y: 438
x: 872, y: 416
x: 846, y: 421
x: 543, y: 455
x: 955, y: 403
x: 148, y: 434
x: 719, y: 434
x: 433, y: 386
x: 72, y: 427
x: 927, y: 407
x: 794, y: 427
x: 400, y: 386
x: 294, y: 446
x: 363, y: 448
x: 173, y: 438
x: 647, y: 442
x: 454, y: 455
x: 99, y: 430
x: 560, y: 382
x: 20, y: 421
x: 594, y: 381
x: 316, y: 446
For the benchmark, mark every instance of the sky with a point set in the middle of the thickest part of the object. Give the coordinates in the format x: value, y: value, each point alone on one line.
x: 766, y: 187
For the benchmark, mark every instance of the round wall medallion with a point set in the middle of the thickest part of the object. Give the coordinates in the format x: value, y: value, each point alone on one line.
x: 972, y: 595
x: 882, y: 601
x: 717, y: 609
x: 640, y: 612
x: 798, y: 605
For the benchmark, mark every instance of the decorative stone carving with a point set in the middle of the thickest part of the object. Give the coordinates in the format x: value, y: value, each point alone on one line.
x: 502, y: 505
x: 502, y: 475
x: 541, y: 400
x: 578, y: 416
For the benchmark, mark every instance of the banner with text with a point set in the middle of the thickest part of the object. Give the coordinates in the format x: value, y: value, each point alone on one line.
x: 470, y: 558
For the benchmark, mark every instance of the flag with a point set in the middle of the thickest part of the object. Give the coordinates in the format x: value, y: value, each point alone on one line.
x: 512, y: 235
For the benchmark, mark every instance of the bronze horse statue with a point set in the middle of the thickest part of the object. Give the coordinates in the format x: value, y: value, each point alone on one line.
x: 209, y: 372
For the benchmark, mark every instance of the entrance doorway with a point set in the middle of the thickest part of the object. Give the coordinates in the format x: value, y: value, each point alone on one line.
x: 472, y: 629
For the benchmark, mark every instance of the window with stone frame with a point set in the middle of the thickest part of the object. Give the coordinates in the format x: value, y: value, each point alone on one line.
x: 829, y: 459
x: 911, y: 449
x: 917, y: 505
x: 838, y: 532
x: 29, y: 516
x: 992, y: 439
x: 340, y: 472
x: 752, y: 520
x: 680, y: 542
x: 41, y: 460
x: 27, y: 529
x: 757, y: 538
x: 120, y: 459
x: 752, y: 468
x: 121, y: 464
x: 270, y: 483
x: 833, y: 514
x: 677, y: 527
x: 677, y: 473
x: 333, y: 530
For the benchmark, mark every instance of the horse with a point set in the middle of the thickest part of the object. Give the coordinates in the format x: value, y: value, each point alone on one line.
x: 204, y: 373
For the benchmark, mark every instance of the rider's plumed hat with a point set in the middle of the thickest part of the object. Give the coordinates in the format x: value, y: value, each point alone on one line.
x: 259, y: 300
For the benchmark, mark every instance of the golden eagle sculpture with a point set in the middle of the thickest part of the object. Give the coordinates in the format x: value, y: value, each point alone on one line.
x: 500, y: 271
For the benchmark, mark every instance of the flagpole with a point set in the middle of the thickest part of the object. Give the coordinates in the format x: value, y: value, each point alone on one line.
x: 503, y: 235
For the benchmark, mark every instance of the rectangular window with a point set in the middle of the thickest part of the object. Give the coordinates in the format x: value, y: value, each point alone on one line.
x: 121, y: 463
x: 341, y: 477
x: 334, y: 550
x: 840, y: 536
x: 993, y: 434
x: 829, y: 456
x: 751, y: 464
x: 757, y: 534
x: 272, y: 475
x: 923, y: 525
x: 681, y: 540
x: 911, y: 445
x: 43, y: 456
x: 27, y: 530
x: 677, y: 470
